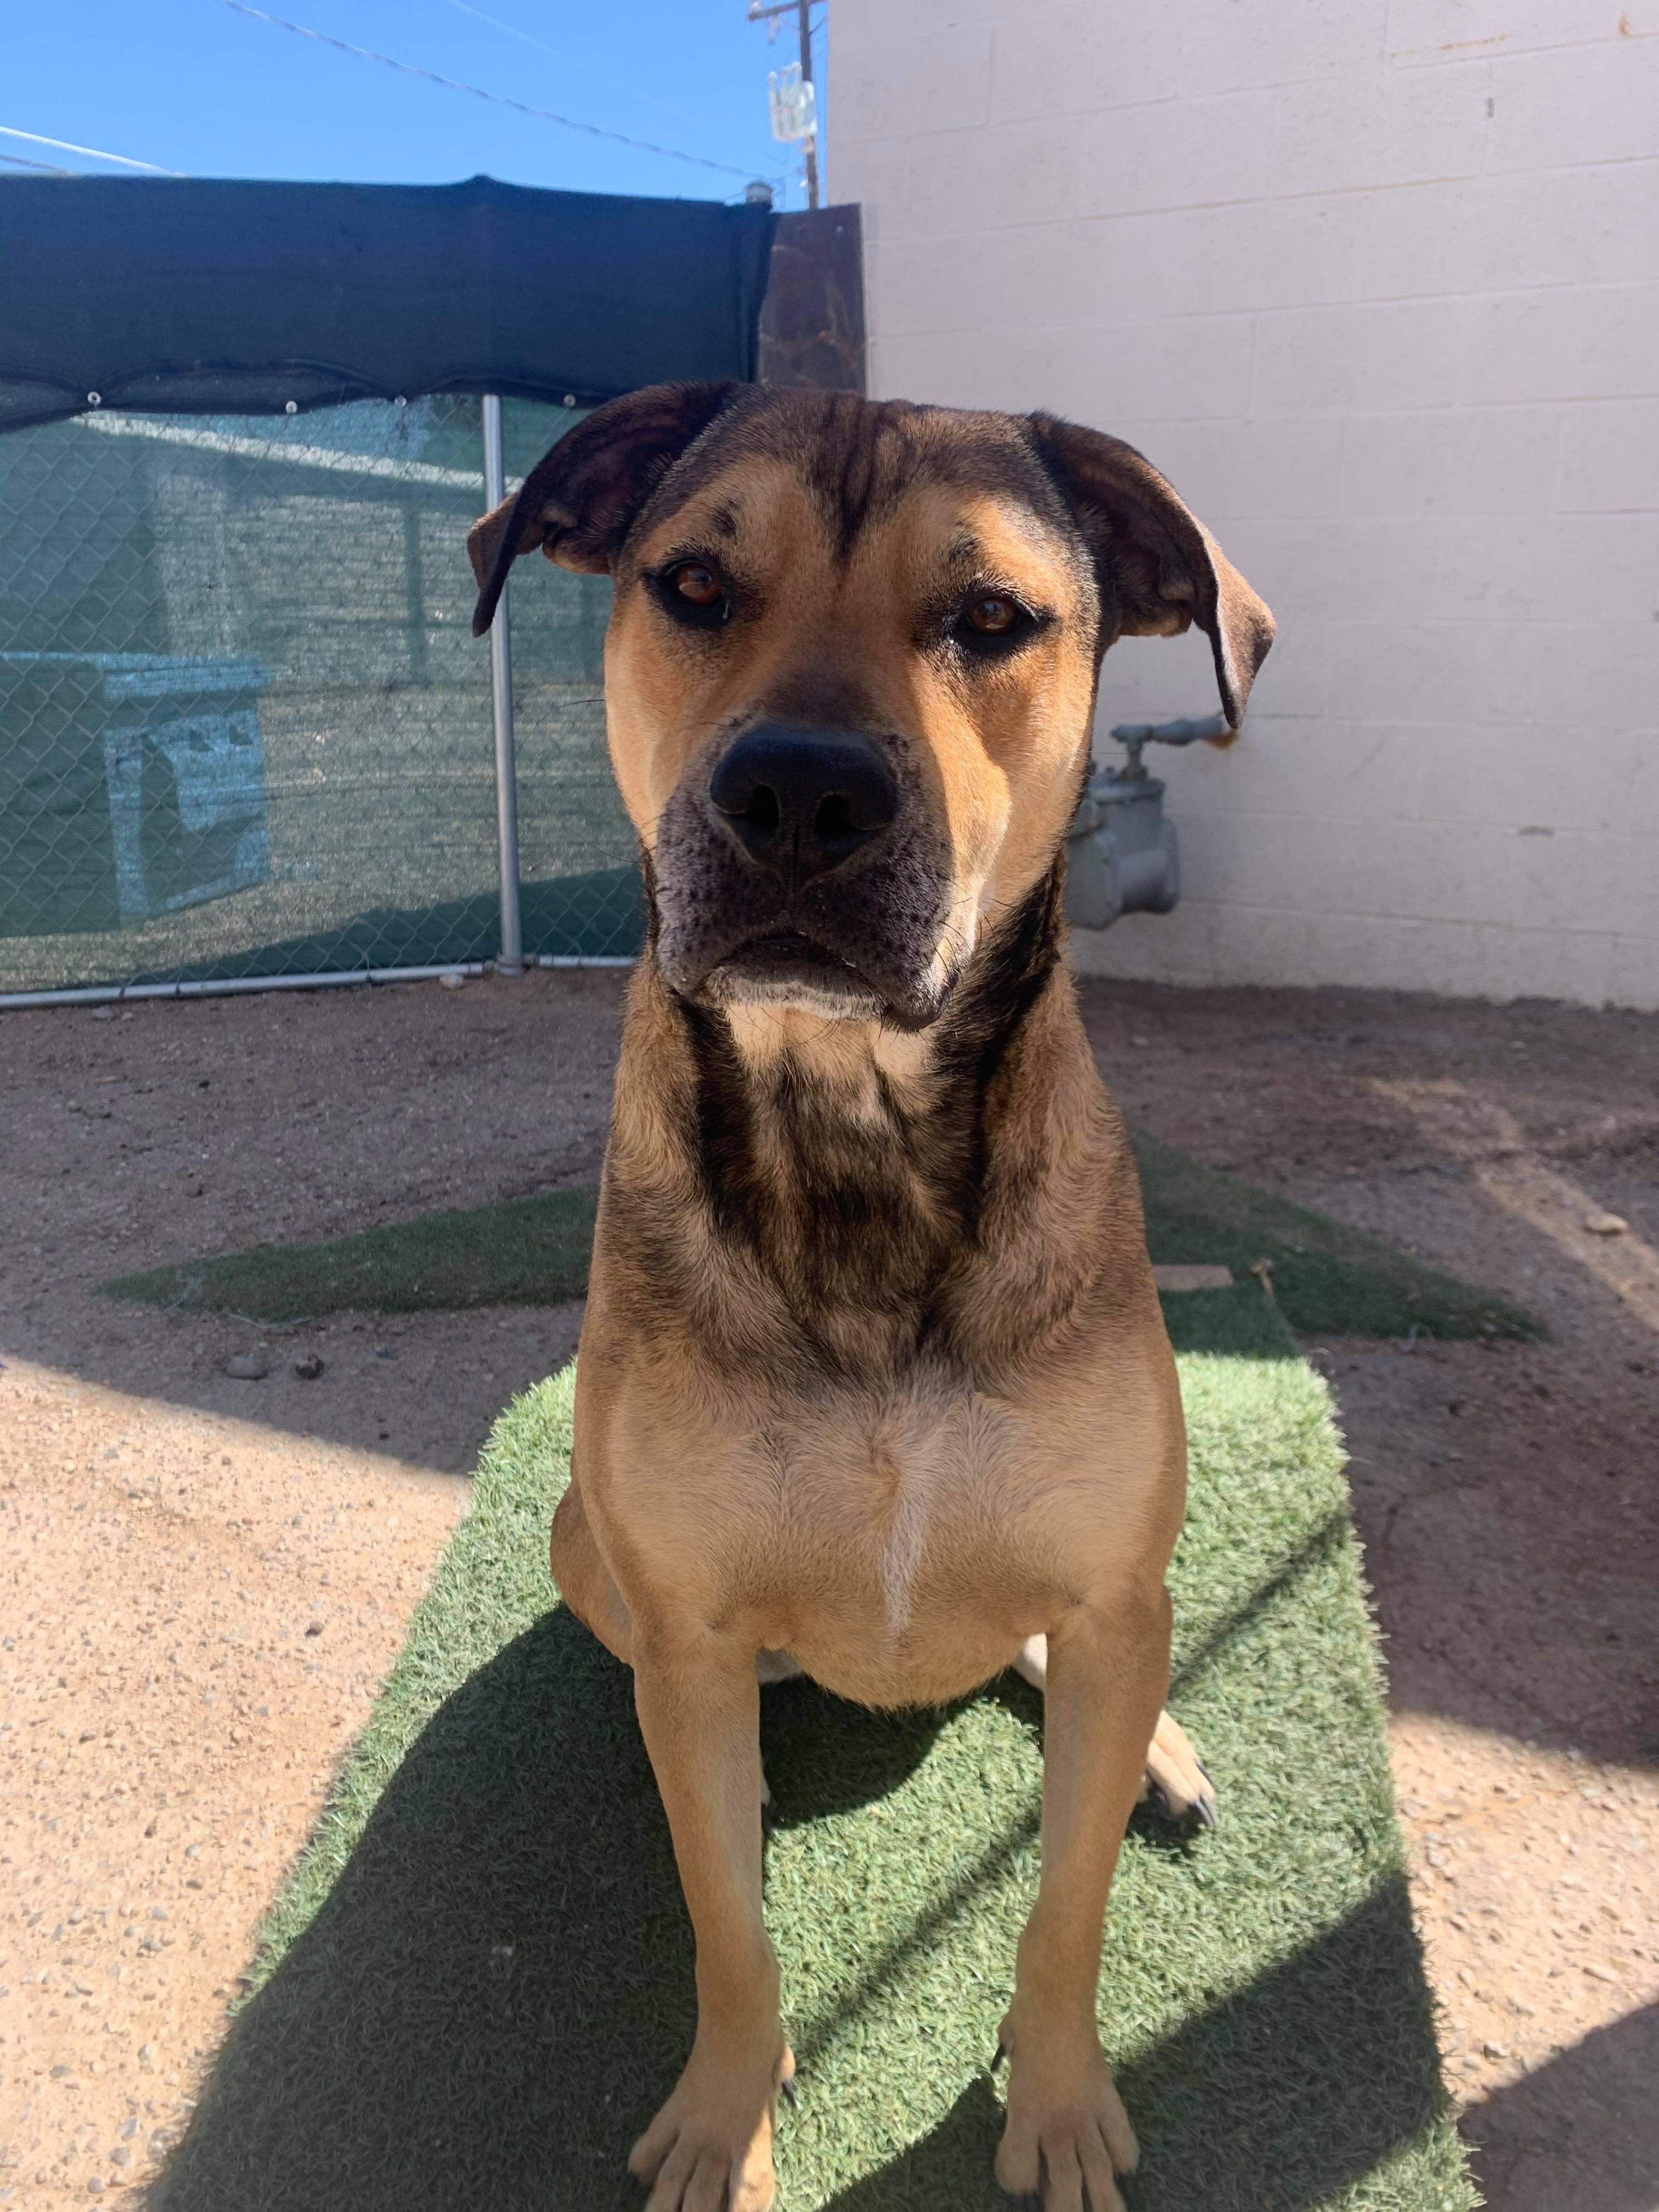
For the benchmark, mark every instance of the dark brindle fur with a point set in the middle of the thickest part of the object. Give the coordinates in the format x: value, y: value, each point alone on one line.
x: 854, y: 1228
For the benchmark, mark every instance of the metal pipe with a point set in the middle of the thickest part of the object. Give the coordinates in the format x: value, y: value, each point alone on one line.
x: 104, y: 994
x: 585, y: 960
x: 511, y: 959
x: 109, y: 994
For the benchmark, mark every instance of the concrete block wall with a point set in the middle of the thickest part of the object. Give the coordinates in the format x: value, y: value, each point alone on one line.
x: 1376, y: 282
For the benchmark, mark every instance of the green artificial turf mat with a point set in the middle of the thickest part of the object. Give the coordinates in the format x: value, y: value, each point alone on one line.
x: 521, y: 1251
x: 1329, y: 1280
x: 475, y: 1986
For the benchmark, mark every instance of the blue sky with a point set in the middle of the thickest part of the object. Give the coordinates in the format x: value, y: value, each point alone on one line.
x: 191, y: 85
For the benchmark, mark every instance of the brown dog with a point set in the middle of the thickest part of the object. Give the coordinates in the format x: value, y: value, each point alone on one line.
x: 874, y: 1381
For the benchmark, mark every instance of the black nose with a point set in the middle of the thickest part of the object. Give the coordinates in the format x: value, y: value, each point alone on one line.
x: 802, y: 800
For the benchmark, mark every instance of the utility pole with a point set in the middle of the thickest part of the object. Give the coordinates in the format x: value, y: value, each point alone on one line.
x: 802, y: 12
x: 804, y: 15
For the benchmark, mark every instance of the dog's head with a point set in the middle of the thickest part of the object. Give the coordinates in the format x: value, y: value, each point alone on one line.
x: 851, y: 666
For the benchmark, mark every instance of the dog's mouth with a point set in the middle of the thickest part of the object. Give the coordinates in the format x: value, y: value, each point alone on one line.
x: 786, y: 963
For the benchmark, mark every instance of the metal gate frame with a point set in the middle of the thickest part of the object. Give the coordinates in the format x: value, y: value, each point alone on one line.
x: 511, y: 959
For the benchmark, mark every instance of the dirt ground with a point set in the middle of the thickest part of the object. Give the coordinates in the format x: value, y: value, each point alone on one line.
x: 204, y: 1579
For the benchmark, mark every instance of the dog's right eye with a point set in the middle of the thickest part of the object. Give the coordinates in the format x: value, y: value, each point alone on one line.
x: 695, y: 582
x: 692, y: 592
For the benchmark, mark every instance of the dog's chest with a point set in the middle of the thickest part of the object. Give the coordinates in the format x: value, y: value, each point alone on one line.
x: 903, y: 1561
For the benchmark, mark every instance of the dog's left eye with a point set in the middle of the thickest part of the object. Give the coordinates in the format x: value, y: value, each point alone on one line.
x: 993, y: 616
x: 992, y: 622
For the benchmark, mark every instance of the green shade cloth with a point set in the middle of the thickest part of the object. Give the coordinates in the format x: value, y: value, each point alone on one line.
x: 220, y: 296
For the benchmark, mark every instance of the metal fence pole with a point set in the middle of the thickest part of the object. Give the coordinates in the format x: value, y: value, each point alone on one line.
x: 511, y: 961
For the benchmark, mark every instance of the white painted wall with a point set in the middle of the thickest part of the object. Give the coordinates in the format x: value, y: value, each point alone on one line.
x: 1376, y: 282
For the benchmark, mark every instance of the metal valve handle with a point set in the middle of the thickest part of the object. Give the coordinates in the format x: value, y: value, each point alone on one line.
x: 1135, y: 737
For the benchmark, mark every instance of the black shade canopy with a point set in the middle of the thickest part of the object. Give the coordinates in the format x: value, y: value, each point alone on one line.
x: 202, y: 297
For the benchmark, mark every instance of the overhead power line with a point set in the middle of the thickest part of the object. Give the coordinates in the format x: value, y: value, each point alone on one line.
x: 571, y: 61
x: 497, y: 99
x: 92, y: 153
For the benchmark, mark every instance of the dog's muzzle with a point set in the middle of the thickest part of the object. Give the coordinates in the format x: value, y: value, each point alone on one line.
x: 803, y: 865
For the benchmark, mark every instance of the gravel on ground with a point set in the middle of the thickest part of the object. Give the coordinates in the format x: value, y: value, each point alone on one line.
x: 206, y: 1575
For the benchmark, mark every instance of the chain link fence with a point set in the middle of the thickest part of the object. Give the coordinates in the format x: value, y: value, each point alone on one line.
x: 244, y: 729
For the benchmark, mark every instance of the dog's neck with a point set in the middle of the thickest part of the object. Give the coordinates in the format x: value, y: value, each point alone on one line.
x: 846, y: 1200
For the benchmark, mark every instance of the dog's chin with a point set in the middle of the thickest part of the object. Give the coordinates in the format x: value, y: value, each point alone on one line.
x: 788, y: 969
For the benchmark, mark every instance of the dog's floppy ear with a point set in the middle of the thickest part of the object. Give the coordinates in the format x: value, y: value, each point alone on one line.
x: 1159, y: 568
x: 579, y: 500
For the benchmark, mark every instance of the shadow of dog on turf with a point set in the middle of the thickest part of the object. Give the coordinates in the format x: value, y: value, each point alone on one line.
x: 497, y: 1991
x: 1280, y: 2098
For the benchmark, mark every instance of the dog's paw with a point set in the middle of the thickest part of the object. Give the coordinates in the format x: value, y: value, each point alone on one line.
x: 1176, y: 1783
x: 1067, y: 2136
x: 710, y: 2149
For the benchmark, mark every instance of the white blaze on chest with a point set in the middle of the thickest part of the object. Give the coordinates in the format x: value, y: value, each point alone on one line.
x: 904, y: 1537
x: 920, y: 1477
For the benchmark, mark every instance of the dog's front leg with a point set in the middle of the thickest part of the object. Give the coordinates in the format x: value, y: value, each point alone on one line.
x: 1067, y: 2133
x: 699, y: 1708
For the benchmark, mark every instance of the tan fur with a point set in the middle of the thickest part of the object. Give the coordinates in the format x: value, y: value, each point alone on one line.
x: 874, y: 1379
